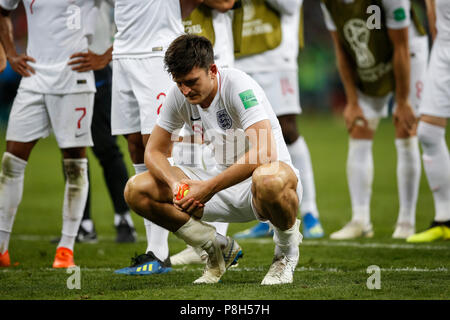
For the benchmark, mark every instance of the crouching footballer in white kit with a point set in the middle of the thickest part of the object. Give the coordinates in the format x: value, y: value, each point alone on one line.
x: 51, y: 98
x: 254, y: 178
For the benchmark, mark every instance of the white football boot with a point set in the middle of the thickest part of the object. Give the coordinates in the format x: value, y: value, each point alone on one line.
x: 403, y: 230
x: 353, y: 229
x: 190, y: 255
x: 219, y: 260
x: 281, y: 271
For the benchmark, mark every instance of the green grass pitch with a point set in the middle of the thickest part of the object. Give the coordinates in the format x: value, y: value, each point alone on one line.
x: 326, y: 270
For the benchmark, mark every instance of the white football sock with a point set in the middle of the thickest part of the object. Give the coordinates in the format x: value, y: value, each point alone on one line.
x: 287, y: 241
x: 4, y: 241
x: 221, y: 227
x: 196, y: 233
x: 88, y: 225
x: 408, y: 178
x: 75, y: 196
x: 126, y: 216
x: 360, y: 177
x: 301, y: 159
x: 11, y: 189
x: 437, y: 167
x: 157, y: 240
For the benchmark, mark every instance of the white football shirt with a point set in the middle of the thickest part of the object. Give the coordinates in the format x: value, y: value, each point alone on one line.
x: 145, y: 27
x: 239, y: 103
x: 283, y: 57
x: 56, y: 30
x: 224, y: 45
x: 443, y: 19
x: 105, y: 29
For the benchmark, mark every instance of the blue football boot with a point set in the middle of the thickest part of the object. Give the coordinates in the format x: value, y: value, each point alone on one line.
x: 312, y: 229
x: 261, y: 230
x: 146, y: 264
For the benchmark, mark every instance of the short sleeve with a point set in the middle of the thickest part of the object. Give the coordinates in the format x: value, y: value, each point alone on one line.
x: 170, y: 118
x: 398, y: 13
x: 327, y: 17
x: 9, y: 4
x: 247, y: 101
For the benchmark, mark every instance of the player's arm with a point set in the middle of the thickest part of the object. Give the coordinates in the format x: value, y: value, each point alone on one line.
x: 2, y: 58
x: 262, y: 150
x: 402, y: 65
x: 87, y: 61
x: 19, y: 63
x: 158, y: 149
x: 220, y: 5
x: 352, y: 111
x: 431, y: 14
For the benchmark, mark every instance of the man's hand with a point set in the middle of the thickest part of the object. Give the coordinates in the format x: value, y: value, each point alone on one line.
x: 354, y: 116
x: 199, y: 193
x: 87, y: 61
x: 19, y: 63
x: 405, y: 117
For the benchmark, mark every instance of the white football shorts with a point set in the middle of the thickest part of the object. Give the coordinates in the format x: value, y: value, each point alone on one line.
x: 377, y: 107
x: 233, y: 204
x: 281, y: 88
x: 34, y: 116
x: 138, y: 91
x: 436, y: 96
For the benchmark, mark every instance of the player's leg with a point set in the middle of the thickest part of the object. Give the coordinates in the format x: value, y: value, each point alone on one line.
x: 71, y: 118
x: 110, y: 157
x: 407, y: 146
x: 150, y: 88
x: 136, y: 100
x: 436, y: 162
x: 408, y: 178
x: 276, y: 194
x: 28, y: 122
x: 195, y: 155
x: 301, y: 158
x: 12, y: 173
x: 359, y: 178
x: 435, y: 110
x: 152, y: 200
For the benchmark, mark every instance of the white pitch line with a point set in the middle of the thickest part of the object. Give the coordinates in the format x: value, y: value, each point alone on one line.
x: 260, y: 269
x: 370, y: 245
x: 307, y: 243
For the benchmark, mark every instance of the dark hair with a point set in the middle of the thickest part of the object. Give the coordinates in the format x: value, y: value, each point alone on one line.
x: 186, y: 52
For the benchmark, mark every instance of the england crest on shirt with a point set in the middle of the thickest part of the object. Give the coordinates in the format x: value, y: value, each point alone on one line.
x: 224, y: 120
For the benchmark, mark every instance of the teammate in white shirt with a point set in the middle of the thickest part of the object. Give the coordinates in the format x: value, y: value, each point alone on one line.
x: 276, y: 70
x: 251, y: 180
x: 140, y: 85
x: 51, y: 97
x: 387, y: 61
x: 434, y: 112
x: 222, y: 23
x: 105, y: 145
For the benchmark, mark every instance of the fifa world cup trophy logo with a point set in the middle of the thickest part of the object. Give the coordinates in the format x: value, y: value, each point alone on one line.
x: 357, y: 35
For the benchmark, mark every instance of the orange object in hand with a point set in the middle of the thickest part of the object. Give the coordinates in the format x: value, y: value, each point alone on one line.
x: 182, y: 191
